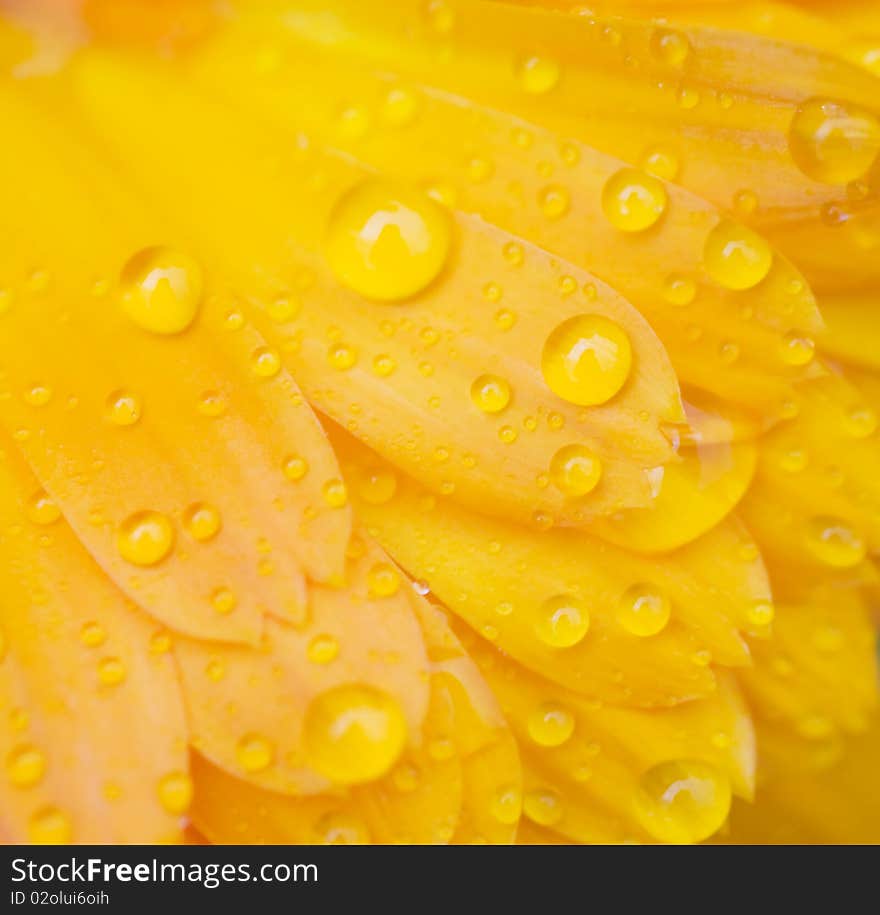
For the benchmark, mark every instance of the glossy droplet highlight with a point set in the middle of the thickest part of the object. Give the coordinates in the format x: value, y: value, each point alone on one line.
x: 122, y: 408
x: 387, y: 242
x: 550, y: 725
x: 145, y: 538
x: 254, y: 753
x: 562, y: 622
x: 202, y: 521
x: 670, y: 47
x: 383, y: 580
x: 633, y: 201
x: 537, y: 74
x: 834, y: 142
x: 835, y: 543
x: 644, y: 610
x: 323, y: 649
x: 354, y: 733
x: 42, y: 509
x: 490, y: 393
x: 25, y: 766
x: 50, y: 826
x: 161, y: 290
x: 736, y: 257
x: 175, y: 791
x: 587, y: 360
x: 575, y: 470
x: 682, y: 801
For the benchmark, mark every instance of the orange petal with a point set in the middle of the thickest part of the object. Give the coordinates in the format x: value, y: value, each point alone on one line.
x: 187, y: 426
x: 93, y: 738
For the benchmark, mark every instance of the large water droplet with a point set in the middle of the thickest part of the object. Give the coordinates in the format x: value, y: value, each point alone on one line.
x: 161, y: 290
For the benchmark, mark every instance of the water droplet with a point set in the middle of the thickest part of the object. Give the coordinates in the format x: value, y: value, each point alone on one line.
x: 504, y: 319
x: 543, y: 806
x: 643, y: 610
x: 440, y: 16
x: 202, y: 521
x: 111, y: 671
x: 342, y: 356
x: 554, y: 201
x: 42, y: 509
x: 265, y: 362
x: 861, y: 422
x: 295, y: 468
x: 633, y: 201
x: 662, y: 163
x: 550, y: 725
x: 387, y: 242
x: 401, y: 106
x: 25, y: 766
x: 513, y: 254
x: 122, y: 408
x: 145, y: 538
x: 161, y: 290
x: 323, y: 649
x: 760, y: 614
x: 175, y: 792
x: 92, y: 634
x: 834, y: 543
x: 672, y: 48
x: 736, y: 257
x: 354, y: 733
x: 223, y: 601
x: 796, y: 350
x: 490, y: 393
x: 679, y: 290
x: 254, y: 753
x: 335, y: 493
x: 384, y: 365
x: 383, y: 580
x: 50, y: 826
x: 339, y: 828
x: 587, y: 360
x: 575, y: 470
x: 38, y: 395
x: 377, y: 486
x: 834, y: 142
x: 538, y: 75
x: 562, y: 622
x: 213, y: 404
x: 506, y: 805
x: 682, y: 801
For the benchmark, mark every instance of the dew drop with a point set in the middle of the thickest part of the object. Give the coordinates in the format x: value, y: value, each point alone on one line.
x: 323, y: 649
x: 643, y: 610
x: 387, y: 242
x: 354, y: 733
x: 543, y: 806
x: 50, y: 826
x: 562, y: 622
x: 538, y: 75
x: 383, y: 580
x: 254, y: 753
x: 834, y: 543
x: 161, y: 290
x: 145, y: 538
x: 682, y: 801
x: 175, y: 791
x: 42, y: 509
x: 202, y: 521
x: 122, y: 408
x: 550, y: 725
x: 834, y: 142
x: 490, y: 393
x: 25, y: 766
x: 633, y: 201
x: 736, y: 257
x: 587, y: 360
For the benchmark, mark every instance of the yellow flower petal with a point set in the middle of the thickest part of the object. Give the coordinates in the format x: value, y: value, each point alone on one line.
x: 166, y: 452
x: 382, y: 369
x: 251, y: 708
x: 93, y: 738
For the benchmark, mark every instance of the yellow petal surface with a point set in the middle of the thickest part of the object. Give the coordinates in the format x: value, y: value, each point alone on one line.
x: 568, y: 196
x: 254, y: 710
x: 171, y: 455
x: 565, y: 604
x: 585, y: 762
x: 396, y: 373
x: 93, y: 738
